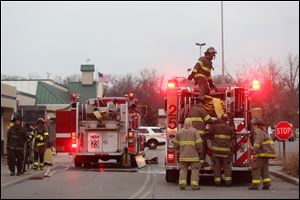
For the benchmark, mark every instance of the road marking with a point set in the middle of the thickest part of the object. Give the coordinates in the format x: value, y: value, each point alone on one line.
x: 142, y: 188
x: 152, y: 172
x: 54, y: 171
x: 146, y: 194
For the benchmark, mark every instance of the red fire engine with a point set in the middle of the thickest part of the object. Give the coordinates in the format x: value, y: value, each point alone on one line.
x: 102, y: 130
x: 180, y: 95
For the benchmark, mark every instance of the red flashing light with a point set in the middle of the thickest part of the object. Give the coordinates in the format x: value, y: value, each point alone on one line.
x: 255, y: 85
x: 171, y: 85
x: 131, y: 148
x: 170, y: 157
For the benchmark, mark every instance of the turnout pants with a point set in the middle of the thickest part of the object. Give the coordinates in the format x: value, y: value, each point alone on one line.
x: 220, y: 162
x: 183, y: 171
x: 203, y: 87
x: 204, y: 148
x: 260, y: 168
x: 15, y: 158
x: 39, y: 156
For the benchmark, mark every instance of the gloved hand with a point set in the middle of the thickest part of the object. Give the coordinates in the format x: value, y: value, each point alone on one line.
x: 191, y: 76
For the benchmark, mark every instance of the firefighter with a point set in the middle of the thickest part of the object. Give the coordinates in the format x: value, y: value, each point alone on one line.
x: 189, y: 145
x: 202, y: 72
x: 40, y: 135
x: 263, y: 151
x: 222, y: 143
x: 200, y: 118
x: 16, y: 137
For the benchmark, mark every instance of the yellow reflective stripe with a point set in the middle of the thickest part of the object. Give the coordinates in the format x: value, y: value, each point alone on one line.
x: 182, y: 182
x: 201, y: 132
x: 192, y: 159
x: 176, y: 142
x: 201, y: 161
x: 209, y: 78
x: 200, y: 75
x: 268, y: 142
x: 200, y: 62
x: 218, y: 179
x: 220, y: 155
x: 207, y: 117
x: 228, y: 178
x: 46, y: 133
x: 187, y: 143
x: 266, y: 180
x: 195, y: 70
x: 221, y: 136
x: 256, y: 145
x: 265, y: 155
x: 35, y: 164
x: 195, y: 183
x: 40, y: 144
x: 196, y: 119
x: 41, y: 164
x: 220, y: 148
x: 255, y: 181
x: 206, y: 68
x: 198, y: 141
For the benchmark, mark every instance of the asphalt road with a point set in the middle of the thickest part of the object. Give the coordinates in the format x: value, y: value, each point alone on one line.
x: 145, y: 183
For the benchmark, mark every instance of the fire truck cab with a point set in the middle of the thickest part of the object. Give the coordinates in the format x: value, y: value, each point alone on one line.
x: 106, y: 132
x: 235, y: 101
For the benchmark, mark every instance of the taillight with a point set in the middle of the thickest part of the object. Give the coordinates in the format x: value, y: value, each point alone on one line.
x: 170, y: 157
x: 131, y: 148
x: 74, y: 145
x: 171, y: 85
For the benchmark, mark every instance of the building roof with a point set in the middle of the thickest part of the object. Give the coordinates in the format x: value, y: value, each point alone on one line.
x: 48, y: 94
x: 86, y: 91
x: 87, y: 68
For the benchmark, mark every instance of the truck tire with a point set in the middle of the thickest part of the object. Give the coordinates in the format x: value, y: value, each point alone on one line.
x: 77, y: 162
x: 152, y: 144
x: 172, y: 175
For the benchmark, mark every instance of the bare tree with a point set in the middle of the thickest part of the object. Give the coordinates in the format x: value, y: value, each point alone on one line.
x: 72, y: 78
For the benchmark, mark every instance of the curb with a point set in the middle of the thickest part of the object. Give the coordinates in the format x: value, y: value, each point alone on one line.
x: 285, y: 177
x: 21, y: 179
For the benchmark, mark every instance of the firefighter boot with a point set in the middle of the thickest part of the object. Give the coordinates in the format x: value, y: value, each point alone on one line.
x: 181, y: 187
x: 12, y: 173
x: 228, y: 183
x: 266, y: 187
x: 253, y: 187
x: 196, y: 187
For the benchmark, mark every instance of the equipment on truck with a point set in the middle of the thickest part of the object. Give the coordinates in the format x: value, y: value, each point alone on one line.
x: 233, y: 100
x: 102, y: 130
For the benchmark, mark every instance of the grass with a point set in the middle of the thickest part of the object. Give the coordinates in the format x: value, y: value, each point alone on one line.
x: 291, y: 165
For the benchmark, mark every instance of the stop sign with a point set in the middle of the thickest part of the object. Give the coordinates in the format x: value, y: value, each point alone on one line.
x: 283, y: 130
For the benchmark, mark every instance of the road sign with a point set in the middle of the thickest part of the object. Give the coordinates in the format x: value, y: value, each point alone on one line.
x: 283, y: 130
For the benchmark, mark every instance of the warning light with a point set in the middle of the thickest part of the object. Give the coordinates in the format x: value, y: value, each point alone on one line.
x: 171, y: 85
x: 255, y: 85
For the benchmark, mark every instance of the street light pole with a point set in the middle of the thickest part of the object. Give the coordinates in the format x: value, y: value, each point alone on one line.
x: 200, y: 45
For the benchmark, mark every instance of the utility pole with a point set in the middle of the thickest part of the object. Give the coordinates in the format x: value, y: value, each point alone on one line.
x: 222, y: 42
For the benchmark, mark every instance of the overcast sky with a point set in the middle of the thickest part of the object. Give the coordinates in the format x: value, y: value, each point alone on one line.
x: 127, y: 37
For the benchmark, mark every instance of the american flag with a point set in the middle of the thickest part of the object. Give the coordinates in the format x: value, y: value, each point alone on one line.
x: 103, y: 78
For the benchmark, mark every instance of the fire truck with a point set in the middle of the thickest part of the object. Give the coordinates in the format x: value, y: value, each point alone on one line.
x: 103, y: 130
x: 235, y: 101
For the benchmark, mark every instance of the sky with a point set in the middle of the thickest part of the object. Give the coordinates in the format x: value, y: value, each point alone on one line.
x: 128, y: 37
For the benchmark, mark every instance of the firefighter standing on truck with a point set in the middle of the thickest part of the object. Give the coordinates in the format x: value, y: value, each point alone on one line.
x: 200, y: 118
x: 202, y: 72
x: 263, y: 150
x: 222, y: 144
x: 40, y: 136
x: 16, y: 138
x: 189, y: 144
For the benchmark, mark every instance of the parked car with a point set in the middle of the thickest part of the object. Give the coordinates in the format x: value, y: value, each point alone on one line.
x: 155, y: 136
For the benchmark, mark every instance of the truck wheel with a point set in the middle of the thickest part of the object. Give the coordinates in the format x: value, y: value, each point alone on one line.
x: 152, y: 144
x: 86, y: 164
x: 77, y: 162
x: 172, y: 175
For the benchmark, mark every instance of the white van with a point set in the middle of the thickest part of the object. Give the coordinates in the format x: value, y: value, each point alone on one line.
x: 155, y: 136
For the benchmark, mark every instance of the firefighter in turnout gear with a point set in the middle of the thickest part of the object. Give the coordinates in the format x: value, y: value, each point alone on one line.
x: 263, y: 150
x: 189, y: 145
x: 16, y: 138
x: 200, y: 118
x: 222, y: 144
x: 202, y: 72
x: 40, y: 135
